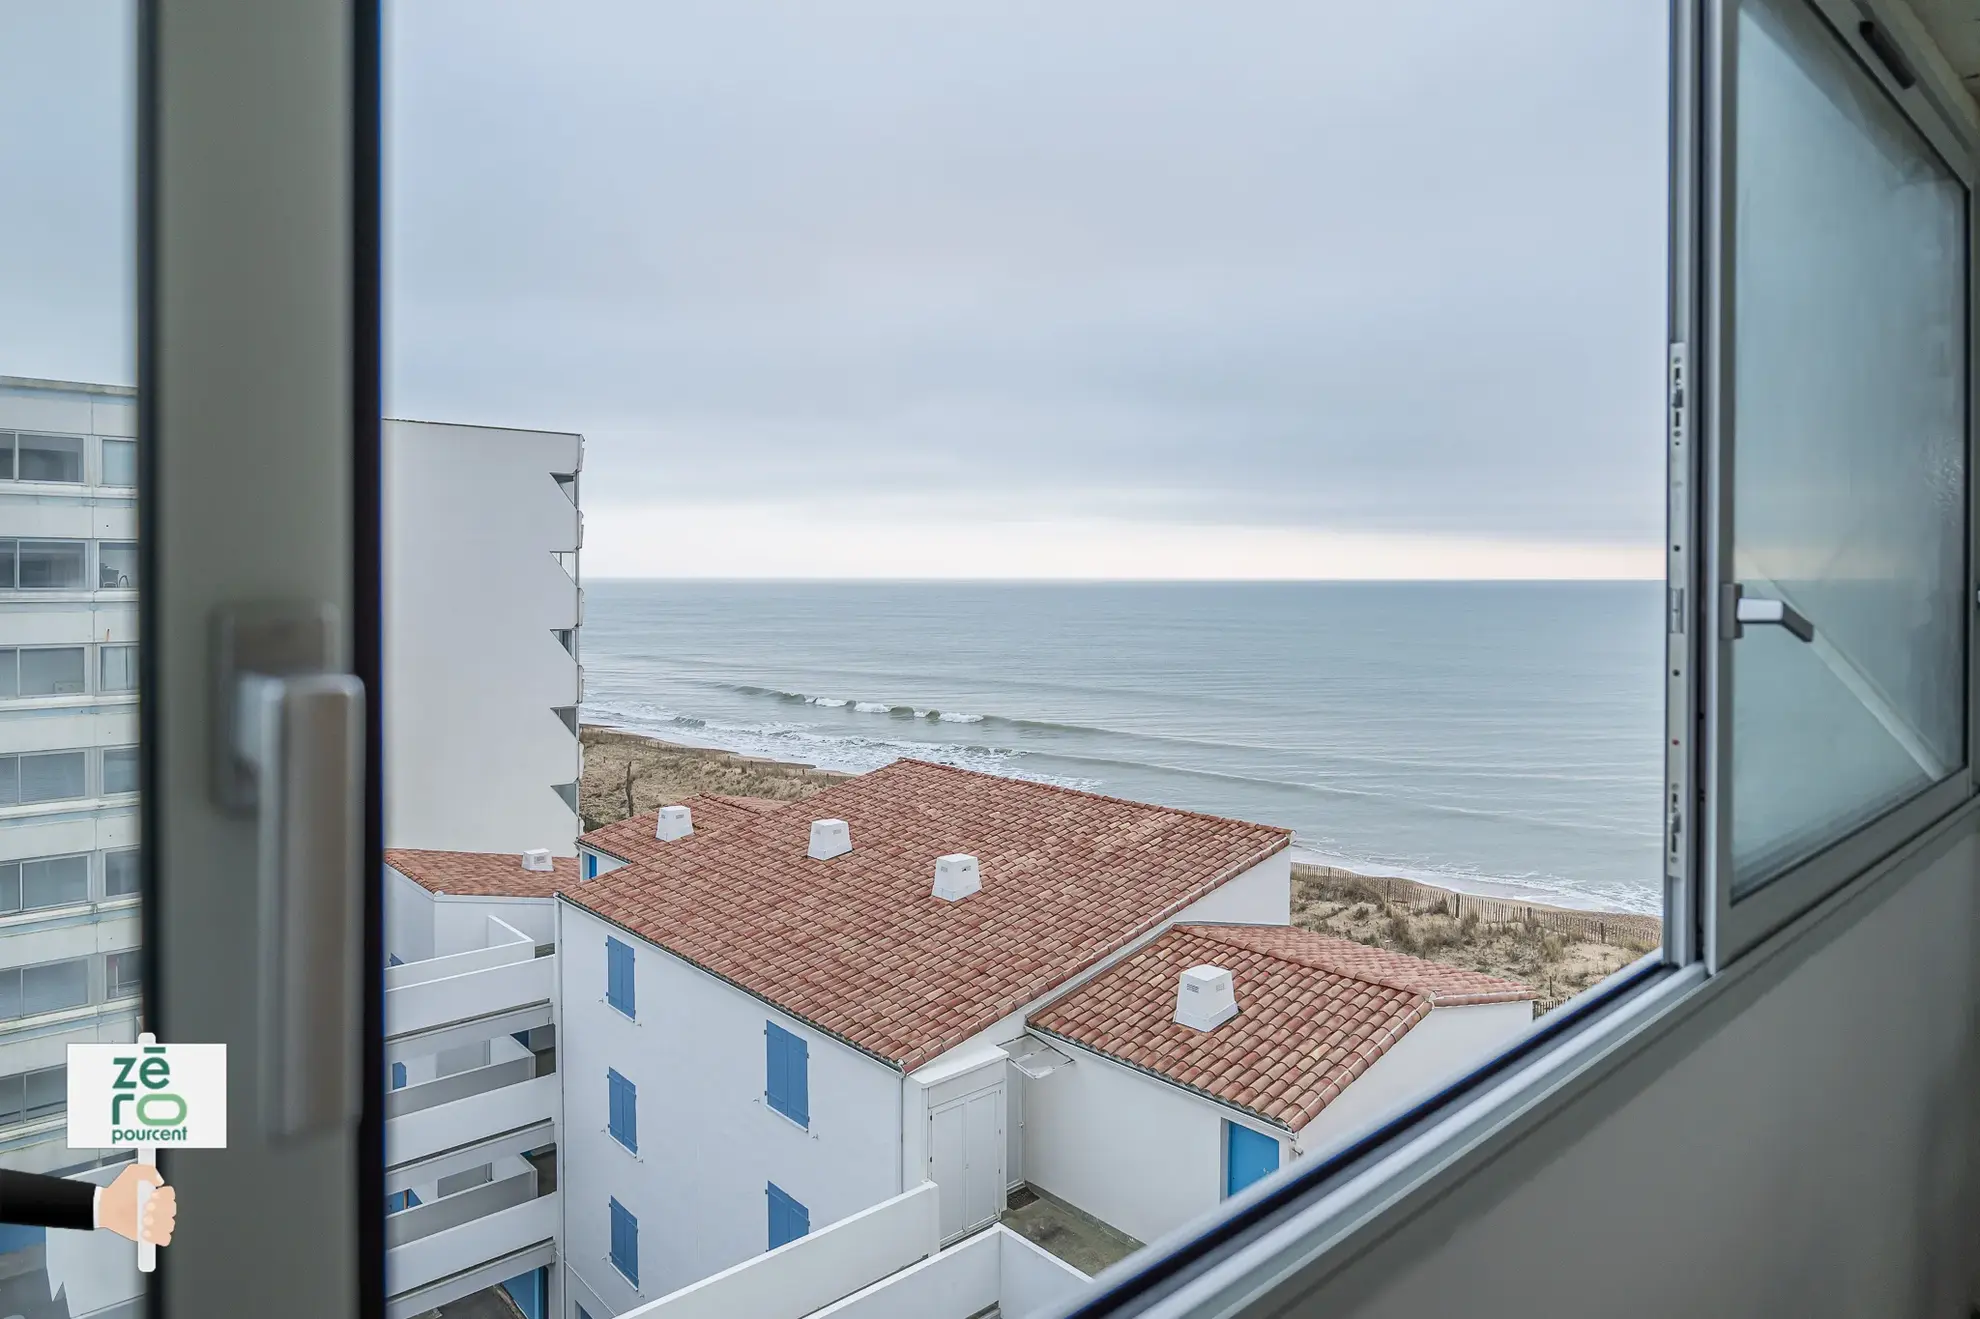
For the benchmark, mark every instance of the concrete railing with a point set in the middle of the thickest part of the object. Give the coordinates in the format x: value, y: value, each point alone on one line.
x: 432, y: 1130
x: 458, y: 1249
x: 481, y: 993
x: 505, y: 944
x: 996, y: 1267
x: 456, y: 1086
x: 798, y: 1278
x: 451, y: 1211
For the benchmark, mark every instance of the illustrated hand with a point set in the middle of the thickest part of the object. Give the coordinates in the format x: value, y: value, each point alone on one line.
x: 118, y: 1208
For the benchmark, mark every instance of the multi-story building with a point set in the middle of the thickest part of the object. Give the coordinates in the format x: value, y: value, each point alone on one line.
x: 68, y: 755
x: 482, y: 611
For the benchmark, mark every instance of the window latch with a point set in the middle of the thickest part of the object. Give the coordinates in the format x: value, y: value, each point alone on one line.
x: 1738, y: 611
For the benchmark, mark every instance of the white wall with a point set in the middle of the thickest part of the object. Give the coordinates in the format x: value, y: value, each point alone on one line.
x: 1139, y: 1154
x: 708, y: 1143
x: 408, y: 918
x: 461, y: 923
x: 472, y: 597
x: 1261, y: 895
x: 1807, y: 1150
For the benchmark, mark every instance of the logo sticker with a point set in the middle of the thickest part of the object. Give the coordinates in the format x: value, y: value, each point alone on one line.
x: 122, y: 1096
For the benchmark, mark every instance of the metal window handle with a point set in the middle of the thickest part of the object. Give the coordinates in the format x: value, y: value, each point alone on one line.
x: 1741, y: 611
x: 291, y: 752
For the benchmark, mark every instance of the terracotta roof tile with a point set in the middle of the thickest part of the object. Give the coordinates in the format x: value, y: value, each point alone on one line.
x: 860, y: 947
x: 1309, y: 1020
x: 632, y: 839
x: 481, y: 874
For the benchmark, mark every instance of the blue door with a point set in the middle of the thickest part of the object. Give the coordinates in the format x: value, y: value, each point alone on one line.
x: 1248, y: 1155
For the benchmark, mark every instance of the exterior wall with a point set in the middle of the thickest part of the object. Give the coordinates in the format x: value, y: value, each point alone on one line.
x: 474, y: 748
x: 408, y: 919
x: 1261, y: 895
x: 462, y: 923
x: 88, y: 720
x: 708, y: 1143
x: 1804, y: 1146
x: 1139, y: 1154
x: 606, y: 864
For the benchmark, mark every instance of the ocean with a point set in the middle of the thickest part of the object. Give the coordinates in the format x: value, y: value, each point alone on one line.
x: 1499, y: 738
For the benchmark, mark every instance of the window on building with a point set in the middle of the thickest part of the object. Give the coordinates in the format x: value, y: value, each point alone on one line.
x: 118, y: 665
x: 51, y: 565
x: 6, y: 455
x: 44, y: 670
x: 789, y: 1220
x: 120, y: 974
x: 50, y: 987
x: 120, y: 873
x: 27, y: 1096
x: 404, y: 1200
x: 786, y: 1073
x: 622, y: 1100
x: 619, y: 975
x: 116, y: 565
x: 49, y: 458
x: 591, y: 865
x: 55, y: 881
x: 42, y: 776
x: 625, y: 1242
x: 120, y: 770
x: 120, y: 462
x: 398, y: 1076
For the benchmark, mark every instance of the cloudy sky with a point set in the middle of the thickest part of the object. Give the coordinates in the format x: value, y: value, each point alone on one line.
x: 1031, y: 288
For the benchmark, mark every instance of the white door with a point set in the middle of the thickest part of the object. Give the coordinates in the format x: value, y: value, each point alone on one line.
x: 966, y: 1160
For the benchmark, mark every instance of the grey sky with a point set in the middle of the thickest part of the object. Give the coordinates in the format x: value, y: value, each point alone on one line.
x: 1070, y: 273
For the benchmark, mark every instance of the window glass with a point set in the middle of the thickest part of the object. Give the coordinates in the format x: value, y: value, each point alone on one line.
x: 59, y: 881
x: 120, y: 770
x: 51, y: 671
x: 120, y: 974
x: 46, y: 1092
x: 119, y: 669
x: 25, y: 991
x: 51, y: 458
x: 117, y: 568
x: 9, y: 564
x: 10, y: 887
x: 120, y: 873
x: 53, y: 565
x: 1850, y: 482
x: 10, y: 780
x: 53, y: 776
x: 6, y: 455
x: 120, y: 462
x: 9, y: 672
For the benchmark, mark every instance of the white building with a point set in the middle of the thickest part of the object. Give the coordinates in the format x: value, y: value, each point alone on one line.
x: 764, y: 1030
x: 482, y: 611
x: 68, y: 756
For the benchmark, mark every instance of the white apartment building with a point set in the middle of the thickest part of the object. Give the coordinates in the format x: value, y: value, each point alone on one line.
x: 927, y: 975
x: 68, y: 755
x: 482, y: 612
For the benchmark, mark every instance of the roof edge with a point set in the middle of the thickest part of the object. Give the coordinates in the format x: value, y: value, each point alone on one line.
x: 1519, y: 994
x: 1171, y: 1081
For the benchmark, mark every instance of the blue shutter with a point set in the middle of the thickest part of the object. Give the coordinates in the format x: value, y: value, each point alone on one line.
x: 623, y: 1105
x: 625, y: 1243
x: 786, y: 1073
x: 789, y: 1220
x: 398, y: 1076
x: 619, y: 976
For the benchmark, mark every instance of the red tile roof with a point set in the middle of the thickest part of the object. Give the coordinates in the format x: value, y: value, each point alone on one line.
x: 632, y: 839
x: 1314, y: 1013
x: 482, y: 874
x: 859, y: 947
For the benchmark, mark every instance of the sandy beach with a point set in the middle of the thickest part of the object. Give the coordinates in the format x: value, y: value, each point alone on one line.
x: 1559, y: 951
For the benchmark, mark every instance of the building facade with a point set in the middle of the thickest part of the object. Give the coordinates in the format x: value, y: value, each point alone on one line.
x: 482, y: 613
x: 68, y: 748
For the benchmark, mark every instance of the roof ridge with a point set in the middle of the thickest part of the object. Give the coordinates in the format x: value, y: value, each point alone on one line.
x: 1076, y: 792
x: 1202, y: 931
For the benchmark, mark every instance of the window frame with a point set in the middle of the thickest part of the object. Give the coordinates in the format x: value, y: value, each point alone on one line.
x: 1732, y: 928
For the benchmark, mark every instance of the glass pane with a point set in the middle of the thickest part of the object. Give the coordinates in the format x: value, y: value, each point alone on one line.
x: 10, y: 780
x: 120, y: 462
x: 51, y: 458
x: 116, y: 566
x: 120, y: 974
x: 120, y: 770
x: 10, y: 887
x: 1849, y: 483
x: 9, y: 673
x: 54, y: 882
x: 119, y: 669
x: 9, y: 554
x: 120, y: 873
x: 13, y: 1092
x: 53, y: 565
x: 55, y: 986
x: 47, y: 1091
x: 54, y: 776
x: 51, y: 671
x: 6, y: 456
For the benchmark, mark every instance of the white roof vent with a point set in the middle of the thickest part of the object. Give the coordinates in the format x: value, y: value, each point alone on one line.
x: 829, y: 838
x: 1205, y: 998
x: 674, y: 824
x: 538, y: 858
x: 956, y: 877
